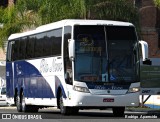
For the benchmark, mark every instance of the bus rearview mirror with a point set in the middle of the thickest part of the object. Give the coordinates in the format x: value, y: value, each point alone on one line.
x: 147, y: 62
x: 71, y: 49
x: 144, y: 49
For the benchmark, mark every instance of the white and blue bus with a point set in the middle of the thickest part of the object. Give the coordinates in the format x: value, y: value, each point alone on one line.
x: 74, y: 64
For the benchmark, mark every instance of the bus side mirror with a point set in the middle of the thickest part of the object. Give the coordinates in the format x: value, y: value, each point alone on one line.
x: 71, y: 49
x: 147, y: 62
x: 144, y: 48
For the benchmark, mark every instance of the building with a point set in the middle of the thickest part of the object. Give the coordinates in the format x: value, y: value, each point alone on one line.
x: 150, y: 25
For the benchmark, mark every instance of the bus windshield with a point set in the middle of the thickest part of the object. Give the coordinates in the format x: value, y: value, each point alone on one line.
x: 105, y: 54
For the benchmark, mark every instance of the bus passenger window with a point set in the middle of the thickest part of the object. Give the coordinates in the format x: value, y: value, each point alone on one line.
x: 48, y: 44
x: 9, y: 51
x: 38, y: 50
x: 30, y: 47
x: 16, y: 50
x: 56, y: 40
x: 22, y: 48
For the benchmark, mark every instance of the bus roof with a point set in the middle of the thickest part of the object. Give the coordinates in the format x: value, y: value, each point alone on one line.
x: 68, y: 22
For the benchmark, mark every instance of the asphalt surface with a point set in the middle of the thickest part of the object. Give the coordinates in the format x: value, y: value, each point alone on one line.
x: 53, y: 113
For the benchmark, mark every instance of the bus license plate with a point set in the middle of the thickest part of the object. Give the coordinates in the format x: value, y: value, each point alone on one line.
x: 108, y: 100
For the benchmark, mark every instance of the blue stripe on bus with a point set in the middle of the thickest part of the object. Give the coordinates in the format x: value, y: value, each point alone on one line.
x: 35, y: 85
x: 31, y: 80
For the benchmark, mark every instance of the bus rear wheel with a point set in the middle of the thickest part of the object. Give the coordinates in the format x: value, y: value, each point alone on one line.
x: 18, y: 103
x: 27, y: 108
x: 118, y: 111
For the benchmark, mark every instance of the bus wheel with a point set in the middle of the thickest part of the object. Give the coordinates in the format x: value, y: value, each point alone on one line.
x: 24, y: 106
x: 18, y: 103
x: 118, y: 111
x: 27, y: 108
x: 63, y: 109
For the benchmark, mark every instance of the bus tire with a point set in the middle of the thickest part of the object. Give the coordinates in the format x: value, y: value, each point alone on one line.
x: 24, y: 106
x: 18, y: 103
x: 27, y: 108
x: 63, y: 109
x: 118, y: 111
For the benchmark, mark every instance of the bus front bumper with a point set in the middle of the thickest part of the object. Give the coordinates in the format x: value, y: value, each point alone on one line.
x: 80, y: 99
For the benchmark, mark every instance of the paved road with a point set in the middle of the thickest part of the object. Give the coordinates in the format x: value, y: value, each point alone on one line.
x: 87, y: 115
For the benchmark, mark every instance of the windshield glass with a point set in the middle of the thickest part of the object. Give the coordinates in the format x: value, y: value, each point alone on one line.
x: 121, y: 51
x: 104, y: 53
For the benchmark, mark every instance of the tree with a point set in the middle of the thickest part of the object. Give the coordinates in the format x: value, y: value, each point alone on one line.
x: 119, y: 10
x: 14, y: 21
x: 28, y: 14
x: 6, y: 18
x: 54, y: 10
x: 157, y: 3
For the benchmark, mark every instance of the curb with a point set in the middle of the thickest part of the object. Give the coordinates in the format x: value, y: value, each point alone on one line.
x: 7, y: 107
x: 144, y: 110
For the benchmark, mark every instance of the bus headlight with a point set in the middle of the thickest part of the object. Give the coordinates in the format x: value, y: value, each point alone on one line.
x: 133, y: 90
x: 81, y: 89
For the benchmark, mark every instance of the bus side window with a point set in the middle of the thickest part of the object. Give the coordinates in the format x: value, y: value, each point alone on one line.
x: 9, y: 52
x: 30, y: 47
x: 47, y: 50
x: 67, y: 35
x: 39, y: 45
x: 56, y: 40
x: 22, y: 48
x: 16, y: 50
x: 67, y: 62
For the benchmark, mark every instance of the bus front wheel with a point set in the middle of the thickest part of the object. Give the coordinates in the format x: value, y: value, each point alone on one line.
x: 63, y: 109
x: 66, y: 110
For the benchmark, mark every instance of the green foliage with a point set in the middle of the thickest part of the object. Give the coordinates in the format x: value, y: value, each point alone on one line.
x: 16, y: 19
x: 157, y: 3
x: 7, y: 18
x: 28, y: 14
x: 119, y: 10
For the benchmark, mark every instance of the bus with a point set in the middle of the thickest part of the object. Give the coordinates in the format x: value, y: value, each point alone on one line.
x: 74, y: 64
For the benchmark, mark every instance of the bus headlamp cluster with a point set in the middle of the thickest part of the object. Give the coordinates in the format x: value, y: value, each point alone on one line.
x: 81, y: 89
x: 133, y: 90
